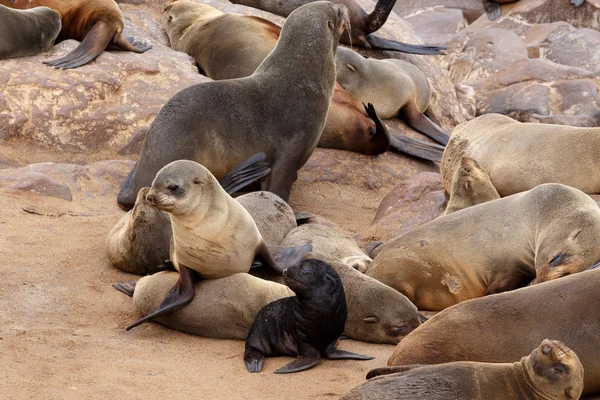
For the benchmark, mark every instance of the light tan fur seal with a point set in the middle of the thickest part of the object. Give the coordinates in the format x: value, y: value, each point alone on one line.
x: 396, y: 88
x: 519, y: 156
x: 545, y: 233
x: 27, y: 32
x: 471, y: 185
x: 502, y: 327
x: 551, y: 372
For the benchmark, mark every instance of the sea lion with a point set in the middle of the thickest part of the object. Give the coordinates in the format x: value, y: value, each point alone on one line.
x: 139, y: 242
x: 294, y: 83
x: 551, y: 371
x: 519, y: 156
x: 471, y: 185
x: 545, y: 233
x: 502, y: 327
x: 213, y: 235
x: 394, y: 87
x: 362, y: 25
x: 493, y: 10
x: 96, y: 24
x: 306, y: 326
x: 27, y: 32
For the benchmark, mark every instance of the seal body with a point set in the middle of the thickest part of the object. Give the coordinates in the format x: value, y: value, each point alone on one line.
x: 27, y: 32
x: 294, y: 83
x: 551, y: 371
x: 545, y: 233
x: 471, y: 185
x: 564, y: 309
x: 519, y: 156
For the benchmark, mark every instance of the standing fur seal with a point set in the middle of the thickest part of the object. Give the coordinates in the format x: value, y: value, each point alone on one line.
x: 551, y: 371
x: 502, y: 327
x: 493, y: 10
x: 394, y: 87
x: 362, y: 25
x: 95, y: 23
x: 519, y: 156
x: 471, y: 185
x: 213, y: 235
x: 306, y: 326
x: 545, y: 233
x: 28, y: 32
x: 294, y: 85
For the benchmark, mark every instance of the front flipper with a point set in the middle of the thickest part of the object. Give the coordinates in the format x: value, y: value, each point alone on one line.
x: 381, y: 134
x: 92, y: 45
x: 288, y: 257
x: 380, y: 14
x: 129, y: 44
x: 492, y: 9
x: 180, y: 295
x: 392, y: 370
x: 254, y: 360
x: 299, y: 364
x: 246, y: 172
x: 379, y: 43
x: 125, y: 287
x: 417, y: 148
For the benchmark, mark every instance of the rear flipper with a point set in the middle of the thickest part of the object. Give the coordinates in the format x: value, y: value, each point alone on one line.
x: 126, y: 198
x: 299, y: 364
x: 179, y: 296
x: 417, y: 148
x: 285, y: 257
x: 392, y: 370
x: 333, y: 354
x: 492, y: 9
x: 254, y: 360
x: 125, y: 287
x: 248, y: 171
x: 379, y: 43
x: 427, y: 127
x: 381, y: 134
x: 129, y: 44
x: 380, y: 14
x: 577, y: 3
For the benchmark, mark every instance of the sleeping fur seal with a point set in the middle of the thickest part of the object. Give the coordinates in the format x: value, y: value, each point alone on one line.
x: 519, y: 156
x: 96, y: 24
x: 545, y: 233
x: 471, y: 185
x: 213, y: 235
x: 362, y: 25
x: 27, y: 32
x: 551, y: 371
x: 294, y: 84
x: 306, y: 326
x: 394, y: 87
x: 502, y: 327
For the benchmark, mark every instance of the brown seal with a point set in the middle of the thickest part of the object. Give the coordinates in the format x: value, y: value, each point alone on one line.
x: 471, y: 185
x: 505, y: 326
x: 394, y: 87
x: 551, y: 371
x: 96, y: 24
x: 519, y: 156
x: 362, y: 25
x: 545, y: 233
x: 27, y: 32
x: 294, y: 85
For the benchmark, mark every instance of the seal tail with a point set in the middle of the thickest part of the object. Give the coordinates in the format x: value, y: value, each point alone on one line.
x: 379, y: 43
x: 248, y: 171
x: 417, y: 148
x: 380, y: 14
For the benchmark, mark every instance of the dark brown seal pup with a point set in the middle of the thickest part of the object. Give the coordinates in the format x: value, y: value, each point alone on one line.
x: 294, y: 83
x: 95, y: 23
x: 28, y: 32
x: 306, y: 326
x: 362, y: 25
x: 493, y: 10
x: 471, y: 185
x: 551, y: 371
x: 545, y: 233
x: 502, y: 327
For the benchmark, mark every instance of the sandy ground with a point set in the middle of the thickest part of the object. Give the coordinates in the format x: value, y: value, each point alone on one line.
x: 62, y: 330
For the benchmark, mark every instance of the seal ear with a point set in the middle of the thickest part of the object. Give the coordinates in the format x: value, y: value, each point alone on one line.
x: 197, y: 181
x: 331, y: 24
x: 350, y: 67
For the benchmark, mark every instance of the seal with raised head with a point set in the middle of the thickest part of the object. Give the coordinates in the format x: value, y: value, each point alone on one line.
x: 294, y: 85
x: 307, y: 326
x: 493, y: 10
x: 545, y: 233
x: 471, y: 185
x: 97, y: 24
x: 503, y: 327
x: 362, y: 25
x: 396, y: 88
x: 519, y: 156
x: 27, y: 32
x: 213, y: 235
x: 551, y: 371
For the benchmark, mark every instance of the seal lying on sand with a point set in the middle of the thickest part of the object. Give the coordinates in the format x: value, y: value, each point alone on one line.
x: 545, y: 233
x: 307, y: 325
x: 96, y: 24
x: 294, y: 83
x: 551, y: 371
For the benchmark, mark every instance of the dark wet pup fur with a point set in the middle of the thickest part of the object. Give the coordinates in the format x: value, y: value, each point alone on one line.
x: 306, y: 326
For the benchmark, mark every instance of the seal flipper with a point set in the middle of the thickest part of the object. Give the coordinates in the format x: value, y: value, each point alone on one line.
x: 334, y: 354
x: 492, y: 9
x: 126, y: 199
x: 125, y: 287
x: 423, y: 124
x: 381, y: 134
x: 392, y: 370
x: 92, y: 45
x: 303, y: 216
x: 246, y: 172
x: 301, y: 363
x: 254, y: 360
x: 577, y: 3
x: 129, y: 44
x: 288, y: 257
x: 417, y: 148
x: 380, y: 14
x: 180, y: 295
x: 379, y: 43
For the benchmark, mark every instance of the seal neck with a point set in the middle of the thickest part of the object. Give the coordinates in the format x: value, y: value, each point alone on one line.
x: 527, y: 386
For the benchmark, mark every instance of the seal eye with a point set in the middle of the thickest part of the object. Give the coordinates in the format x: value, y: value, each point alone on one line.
x: 173, y: 188
x: 560, y: 369
x: 558, y: 260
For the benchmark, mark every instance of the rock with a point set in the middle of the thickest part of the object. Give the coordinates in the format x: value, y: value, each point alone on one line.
x: 413, y: 202
x: 43, y: 185
x: 437, y: 25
